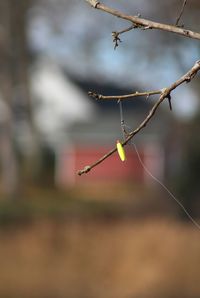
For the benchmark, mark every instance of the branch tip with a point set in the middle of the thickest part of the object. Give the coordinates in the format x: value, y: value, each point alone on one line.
x: 116, y: 39
x: 93, y: 3
x: 94, y: 95
x: 85, y: 170
x: 169, y: 101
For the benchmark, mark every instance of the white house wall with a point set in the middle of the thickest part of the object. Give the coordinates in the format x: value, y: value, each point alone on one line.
x: 57, y: 102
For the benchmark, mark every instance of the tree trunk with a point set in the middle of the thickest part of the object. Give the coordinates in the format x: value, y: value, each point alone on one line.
x: 13, y: 77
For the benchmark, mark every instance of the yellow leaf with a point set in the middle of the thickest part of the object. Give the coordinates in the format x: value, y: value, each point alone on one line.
x: 121, y: 151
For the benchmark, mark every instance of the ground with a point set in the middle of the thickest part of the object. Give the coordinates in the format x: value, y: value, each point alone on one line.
x: 95, y: 254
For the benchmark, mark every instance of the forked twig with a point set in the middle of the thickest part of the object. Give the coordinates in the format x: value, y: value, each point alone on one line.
x: 125, y: 96
x: 166, y: 93
x: 138, y: 22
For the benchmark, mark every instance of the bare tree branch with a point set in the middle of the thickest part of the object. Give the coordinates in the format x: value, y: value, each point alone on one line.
x: 166, y: 93
x: 122, y: 97
x: 144, y: 23
x: 181, y: 12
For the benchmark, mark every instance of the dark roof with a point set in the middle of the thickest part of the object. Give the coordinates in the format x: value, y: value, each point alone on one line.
x: 107, y: 122
x: 137, y: 104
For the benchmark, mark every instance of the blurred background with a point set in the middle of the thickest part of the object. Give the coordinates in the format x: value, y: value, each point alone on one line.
x: 113, y: 232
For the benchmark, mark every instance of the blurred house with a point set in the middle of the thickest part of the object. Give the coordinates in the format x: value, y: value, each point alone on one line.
x: 57, y: 102
x: 80, y: 130
x: 89, y: 141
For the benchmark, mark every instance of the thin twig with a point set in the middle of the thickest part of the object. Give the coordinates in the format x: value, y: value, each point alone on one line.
x: 144, y: 23
x: 166, y: 92
x: 121, y: 97
x: 181, y: 12
x: 116, y: 34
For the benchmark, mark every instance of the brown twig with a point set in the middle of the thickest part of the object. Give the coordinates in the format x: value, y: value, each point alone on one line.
x: 166, y: 93
x: 116, y: 34
x: 181, y: 12
x: 122, y: 97
x: 144, y: 23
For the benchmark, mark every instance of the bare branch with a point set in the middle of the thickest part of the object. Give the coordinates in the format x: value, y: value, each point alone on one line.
x: 166, y: 93
x: 181, y: 12
x: 121, y: 97
x: 144, y: 23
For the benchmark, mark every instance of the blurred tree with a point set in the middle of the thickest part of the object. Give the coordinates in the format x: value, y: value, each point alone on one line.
x: 13, y: 86
x: 188, y: 177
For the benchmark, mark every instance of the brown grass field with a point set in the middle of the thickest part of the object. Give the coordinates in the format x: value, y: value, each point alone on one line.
x: 100, y: 258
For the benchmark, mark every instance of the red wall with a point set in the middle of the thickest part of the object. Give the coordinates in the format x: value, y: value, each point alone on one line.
x: 113, y: 169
